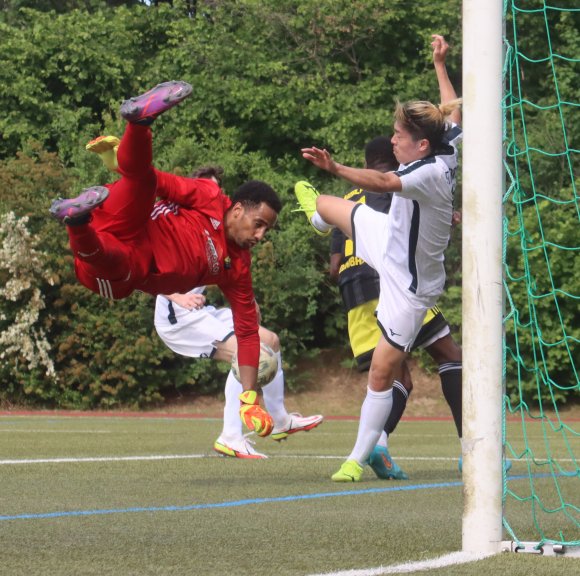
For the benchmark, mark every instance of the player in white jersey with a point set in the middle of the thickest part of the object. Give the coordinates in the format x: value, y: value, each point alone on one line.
x: 406, y: 246
x: 190, y: 328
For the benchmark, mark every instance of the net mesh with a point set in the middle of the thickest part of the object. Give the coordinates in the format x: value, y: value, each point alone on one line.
x: 542, y: 271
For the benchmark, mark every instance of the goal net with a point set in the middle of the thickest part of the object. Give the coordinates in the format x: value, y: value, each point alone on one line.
x: 542, y: 274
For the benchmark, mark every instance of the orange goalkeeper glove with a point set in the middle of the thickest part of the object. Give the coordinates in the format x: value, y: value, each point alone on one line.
x: 253, y: 415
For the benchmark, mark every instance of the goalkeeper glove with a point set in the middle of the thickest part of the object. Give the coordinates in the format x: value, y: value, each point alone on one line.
x: 253, y: 415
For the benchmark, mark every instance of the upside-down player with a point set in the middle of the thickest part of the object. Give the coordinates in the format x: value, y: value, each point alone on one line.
x: 196, y: 235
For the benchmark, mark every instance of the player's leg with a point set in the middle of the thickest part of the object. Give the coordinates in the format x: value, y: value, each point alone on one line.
x: 103, y: 263
x: 197, y: 333
x: 273, y: 392
x: 231, y: 441
x: 336, y: 212
x: 106, y: 226
x: 447, y: 355
x: 364, y: 333
x: 123, y: 207
x: 324, y: 212
x: 380, y: 459
x: 129, y: 207
x: 399, y: 315
x: 374, y: 411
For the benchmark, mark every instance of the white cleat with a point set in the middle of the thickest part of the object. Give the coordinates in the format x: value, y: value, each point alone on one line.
x: 296, y: 423
x: 238, y: 448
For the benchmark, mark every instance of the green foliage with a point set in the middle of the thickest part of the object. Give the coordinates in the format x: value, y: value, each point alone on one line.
x: 541, y: 209
x: 269, y: 77
x: 105, y: 354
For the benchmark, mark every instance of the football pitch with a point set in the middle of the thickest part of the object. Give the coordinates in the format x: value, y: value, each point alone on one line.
x: 147, y: 496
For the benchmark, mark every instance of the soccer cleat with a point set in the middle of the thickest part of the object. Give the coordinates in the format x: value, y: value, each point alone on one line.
x: 383, y: 466
x: 350, y: 471
x: 106, y: 147
x: 74, y: 210
x: 238, y: 448
x: 145, y: 108
x: 507, y: 464
x: 296, y: 423
x: 306, y: 195
x: 253, y: 415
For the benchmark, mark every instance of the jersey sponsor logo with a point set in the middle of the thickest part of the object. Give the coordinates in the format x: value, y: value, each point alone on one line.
x: 212, y: 255
x: 350, y: 263
x: 354, y: 192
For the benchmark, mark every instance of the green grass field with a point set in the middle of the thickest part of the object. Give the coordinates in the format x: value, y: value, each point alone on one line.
x: 144, y: 496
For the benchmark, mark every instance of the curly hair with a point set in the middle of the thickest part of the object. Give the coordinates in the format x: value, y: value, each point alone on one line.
x: 251, y: 194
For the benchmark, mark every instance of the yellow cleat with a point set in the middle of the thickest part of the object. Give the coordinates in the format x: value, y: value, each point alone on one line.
x: 306, y: 195
x: 106, y: 147
x: 350, y: 471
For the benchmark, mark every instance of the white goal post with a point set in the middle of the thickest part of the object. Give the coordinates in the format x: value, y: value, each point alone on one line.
x: 483, y: 185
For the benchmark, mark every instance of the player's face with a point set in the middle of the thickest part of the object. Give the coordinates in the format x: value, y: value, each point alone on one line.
x: 249, y: 225
x: 405, y: 148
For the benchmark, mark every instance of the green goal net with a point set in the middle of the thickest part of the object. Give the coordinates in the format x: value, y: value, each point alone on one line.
x: 542, y: 274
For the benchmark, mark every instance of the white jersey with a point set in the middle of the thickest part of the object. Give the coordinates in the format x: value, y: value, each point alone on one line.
x: 420, y: 219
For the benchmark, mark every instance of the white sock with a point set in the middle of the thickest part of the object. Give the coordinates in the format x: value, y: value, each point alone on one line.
x: 319, y: 223
x: 383, y: 440
x: 274, y: 396
x: 232, y: 429
x: 373, y: 416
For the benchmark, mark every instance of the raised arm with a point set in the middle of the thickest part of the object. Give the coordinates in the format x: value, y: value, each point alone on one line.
x: 446, y: 90
x: 371, y: 180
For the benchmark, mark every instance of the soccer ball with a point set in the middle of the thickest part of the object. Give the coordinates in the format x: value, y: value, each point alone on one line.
x: 267, y: 365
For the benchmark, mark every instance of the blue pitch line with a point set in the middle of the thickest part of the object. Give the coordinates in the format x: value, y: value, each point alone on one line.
x: 248, y: 502
x: 228, y: 504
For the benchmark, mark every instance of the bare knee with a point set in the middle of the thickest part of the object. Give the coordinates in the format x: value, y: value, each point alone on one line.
x: 270, y: 338
x: 382, y: 375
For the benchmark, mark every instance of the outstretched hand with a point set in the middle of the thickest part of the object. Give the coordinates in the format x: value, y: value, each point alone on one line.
x: 320, y: 158
x: 440, y: 48
x: 189, y: 301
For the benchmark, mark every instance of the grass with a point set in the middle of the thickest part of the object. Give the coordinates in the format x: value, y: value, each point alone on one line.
x: 207, y: 515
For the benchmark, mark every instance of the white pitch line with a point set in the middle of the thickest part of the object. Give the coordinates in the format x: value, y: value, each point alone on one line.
x: 441, y: 562
x: 102, y: 459
x: 157, y: 457
x: 44, y: 431
x: 179, y: 457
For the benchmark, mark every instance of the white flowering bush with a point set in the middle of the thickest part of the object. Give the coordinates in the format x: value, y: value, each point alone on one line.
x: 23, y: 342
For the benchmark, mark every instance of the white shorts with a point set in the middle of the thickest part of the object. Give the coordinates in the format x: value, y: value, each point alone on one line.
x: 400, y: 313
x: 192, y: 333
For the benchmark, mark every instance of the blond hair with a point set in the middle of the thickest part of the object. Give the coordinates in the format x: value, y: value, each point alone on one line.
x: 424, y: 119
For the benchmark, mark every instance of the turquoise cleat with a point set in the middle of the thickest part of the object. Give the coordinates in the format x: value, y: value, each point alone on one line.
x: 383, y: 465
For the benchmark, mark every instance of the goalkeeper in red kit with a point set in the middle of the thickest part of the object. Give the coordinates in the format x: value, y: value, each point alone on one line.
x: 123, y: 240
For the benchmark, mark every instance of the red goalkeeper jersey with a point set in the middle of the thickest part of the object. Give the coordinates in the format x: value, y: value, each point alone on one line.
x: 190, y: 249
